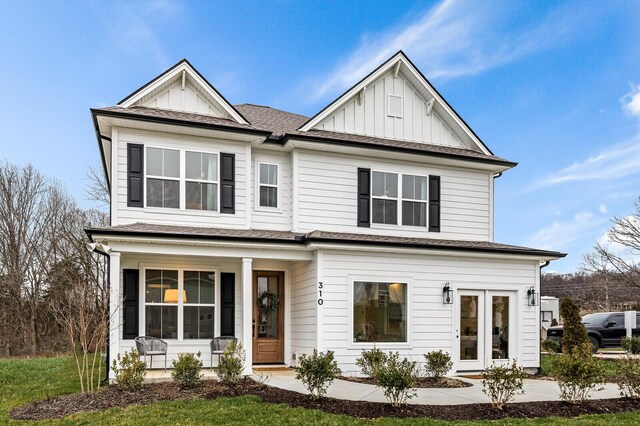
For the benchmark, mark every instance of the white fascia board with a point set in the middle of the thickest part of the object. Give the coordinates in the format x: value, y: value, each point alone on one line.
x: 131, y: 123
x: 425, y: 158
x: 189, y: 247
x: 433, y: 252
x: 391, y: 63
x: 177, y: 73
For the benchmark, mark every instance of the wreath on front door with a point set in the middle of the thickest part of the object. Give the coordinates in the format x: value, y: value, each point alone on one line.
x: 268, y: 302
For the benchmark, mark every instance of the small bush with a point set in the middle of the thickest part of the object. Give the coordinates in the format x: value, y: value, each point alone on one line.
x: 574, y: 333
x: 551, y: 346
x: 130, y: 370
x: 186, y: 370
x: 438, y: 363
x: 578, y: 373
x: 231, y: 364
x: 631, y: 344
x: 629, y: 376
x: 502, y: 383
x: 397, y: 378
x: 370, y: 360
x: 317, y: 372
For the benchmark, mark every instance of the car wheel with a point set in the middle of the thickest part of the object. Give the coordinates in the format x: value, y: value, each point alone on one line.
x: 595, y: 344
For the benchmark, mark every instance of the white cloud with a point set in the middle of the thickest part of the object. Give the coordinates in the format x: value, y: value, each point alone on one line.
x: 619, y: 161
x: 603, y: 208
x: 458, y: 38
x: 559, y: 235
x: 631, y: 101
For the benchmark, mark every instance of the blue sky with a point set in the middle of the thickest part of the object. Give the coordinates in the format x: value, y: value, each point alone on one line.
x: 552, y: 85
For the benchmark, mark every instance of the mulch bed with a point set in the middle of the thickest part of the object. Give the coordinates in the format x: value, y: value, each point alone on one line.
x: 111, y: 397
x: 422, y: 382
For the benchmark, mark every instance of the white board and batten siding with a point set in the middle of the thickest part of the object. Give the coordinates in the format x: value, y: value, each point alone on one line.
x: 139, y: 261
x: 189, y: 99
x: 430, y: 322
x: 370, y: 115
x: 279, y: 218
x: 303, y: 300
x: 327, y: 197
x: 170, y: 216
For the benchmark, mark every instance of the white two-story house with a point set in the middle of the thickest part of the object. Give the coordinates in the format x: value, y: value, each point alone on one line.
x: 369, y: 223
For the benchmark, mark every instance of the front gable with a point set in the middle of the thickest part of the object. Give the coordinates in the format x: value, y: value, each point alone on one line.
x: 182, y: 88
x: 395, y: 101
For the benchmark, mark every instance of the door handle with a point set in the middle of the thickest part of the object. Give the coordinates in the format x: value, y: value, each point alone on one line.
x: 253, y: 327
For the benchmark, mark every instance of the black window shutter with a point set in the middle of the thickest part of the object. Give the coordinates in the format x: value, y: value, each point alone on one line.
x: 130, y: 303
x: 227, y: 302
x: 135, y: 171
x: 364, y: 197
x: 227, y: 183
x: 434, y: 203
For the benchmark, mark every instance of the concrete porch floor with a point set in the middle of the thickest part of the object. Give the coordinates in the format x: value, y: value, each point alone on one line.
x: 534, y: 390
x: 159, y: 375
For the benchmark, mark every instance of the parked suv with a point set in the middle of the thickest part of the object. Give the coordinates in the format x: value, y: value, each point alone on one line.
x: 604, y: 329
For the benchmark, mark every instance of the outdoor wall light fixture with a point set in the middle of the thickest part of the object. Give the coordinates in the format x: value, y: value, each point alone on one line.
x: 447, y: 294
x: 532, y: 296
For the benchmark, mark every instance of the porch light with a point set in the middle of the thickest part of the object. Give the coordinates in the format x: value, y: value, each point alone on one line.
x: 532, y: 297
x: 447, y: 294
x: 171, y: 296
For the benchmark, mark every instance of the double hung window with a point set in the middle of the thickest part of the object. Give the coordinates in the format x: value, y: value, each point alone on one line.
x: 414, y: 200
x: 201, y: 181
x: 179, y: 304
x: 163, y: 178
x: 384, y: 192
x: 268, y: 186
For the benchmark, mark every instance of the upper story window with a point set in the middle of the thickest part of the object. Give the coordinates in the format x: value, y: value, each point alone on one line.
x: 414, y: 200
x: 268, y: 185
x: 384, y: 193
x: 163, y: 178
x: 201, y: 181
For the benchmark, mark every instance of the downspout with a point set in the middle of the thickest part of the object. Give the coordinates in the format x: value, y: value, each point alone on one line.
x: 542, y: 265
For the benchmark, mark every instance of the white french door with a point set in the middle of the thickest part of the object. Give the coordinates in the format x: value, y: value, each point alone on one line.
x: 485, y: 326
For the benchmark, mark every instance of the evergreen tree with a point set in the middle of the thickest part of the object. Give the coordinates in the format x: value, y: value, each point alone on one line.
x: 574, y: 333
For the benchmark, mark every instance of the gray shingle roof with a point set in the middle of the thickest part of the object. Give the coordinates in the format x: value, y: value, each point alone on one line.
x: 284, y: 237
x: 267, y: 120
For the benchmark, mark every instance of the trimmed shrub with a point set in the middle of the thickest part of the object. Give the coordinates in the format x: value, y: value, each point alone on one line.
x: 370, y: 360
x: 129, y: 370
x: 629, y: 376
x: 578, y: 373
x: 231, y: 364
x: 317, y: 372
x: 551, y: 346
x: 574, y: 333
x: 186, y: 370
x: 438, y: 363
x: 501, y: 383
x: 398, y: 379
x: 631, y: 344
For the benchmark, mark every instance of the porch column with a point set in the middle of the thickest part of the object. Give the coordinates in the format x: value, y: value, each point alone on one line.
x: 115, y: 316
x: 247, y: 313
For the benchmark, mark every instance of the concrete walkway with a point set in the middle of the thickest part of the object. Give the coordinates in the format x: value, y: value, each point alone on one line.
x: 534, y: 390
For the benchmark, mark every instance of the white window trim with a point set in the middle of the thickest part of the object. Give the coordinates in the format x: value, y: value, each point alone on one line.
x: 216, y: 182
x: 142, y: 326
x: 385, y: 278
x: 174, y: 179
x: 399, y: 201
x: 413, y: 200
x: 384, y: 197
x: 182, y: 182
x: 257, y: 206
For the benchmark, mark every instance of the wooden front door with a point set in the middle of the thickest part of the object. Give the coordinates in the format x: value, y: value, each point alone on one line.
x: 268, y: 327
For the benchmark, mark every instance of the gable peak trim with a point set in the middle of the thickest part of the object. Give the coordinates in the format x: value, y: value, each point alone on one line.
x: 395, y: 64
x: 180, y: 70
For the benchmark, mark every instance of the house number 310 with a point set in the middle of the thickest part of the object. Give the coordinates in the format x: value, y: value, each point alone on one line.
x: 320, y: 286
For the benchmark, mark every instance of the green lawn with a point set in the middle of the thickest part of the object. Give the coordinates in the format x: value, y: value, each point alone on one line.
x: 24, y: 380
x: 608, y: 364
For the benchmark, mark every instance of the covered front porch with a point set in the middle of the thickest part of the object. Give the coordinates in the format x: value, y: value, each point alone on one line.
x: 187, y: 295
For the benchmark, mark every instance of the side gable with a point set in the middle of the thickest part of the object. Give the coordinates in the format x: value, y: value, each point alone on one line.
x: 183, y: 88
x: 396, y: 101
